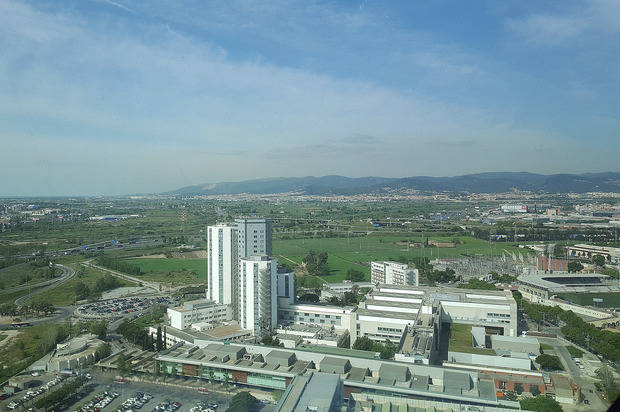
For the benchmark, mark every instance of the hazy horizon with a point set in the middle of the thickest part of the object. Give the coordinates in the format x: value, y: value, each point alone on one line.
x: 126, y: 96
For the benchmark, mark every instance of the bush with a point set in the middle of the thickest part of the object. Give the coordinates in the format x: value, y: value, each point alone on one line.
x: 386, y: 350
x: 540, y: 403
x: 549, y: 362
x: 518, y: 388
x: 242, y: 402
x: 574, y: 352
x: 355, y: 275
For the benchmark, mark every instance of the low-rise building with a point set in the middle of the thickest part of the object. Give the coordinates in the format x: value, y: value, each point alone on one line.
x: 76, y: 353
x: 393, y: 273
x: 196, y: 311
x: 611, y: 254
x: 317, y: 392
x: 550, y: 264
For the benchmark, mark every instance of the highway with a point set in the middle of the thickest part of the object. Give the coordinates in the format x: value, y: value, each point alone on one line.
x: 67, y: 273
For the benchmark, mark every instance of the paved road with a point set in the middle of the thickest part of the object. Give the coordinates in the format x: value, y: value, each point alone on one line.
x: 586, y: 383
x: 148, y: 284
x: 67, y: 273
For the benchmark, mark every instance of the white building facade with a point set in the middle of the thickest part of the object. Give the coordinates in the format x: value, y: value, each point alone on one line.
x: 203, y: 310
x: 222, y: 262
x: 258, y: 298
x: 393, y: 273
x: 254, y: 237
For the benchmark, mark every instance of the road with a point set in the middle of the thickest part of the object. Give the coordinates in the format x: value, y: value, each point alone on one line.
x: 67, y: 273
x: 586, y: 383
x: 153, y: 285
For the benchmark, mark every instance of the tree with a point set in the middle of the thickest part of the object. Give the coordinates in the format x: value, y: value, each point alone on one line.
x: 598, y: 260
x: 575, y: 266
x: 103, y: 351
x: 540, y: 403
x: 518, y: 388
x: 534, y: 390
x: 363, y: 343
x: 242, y: 402
x: 211, y: 374
x: 477, y: 284
x: 82, y: 291
x: 355, y: 275
x: 271, y: 341
x: 605, y: 374
x: 99, y: 328
x: 316, y: 263
x: 559, y: 251
x: 158, y: 344
x: 549, y: 362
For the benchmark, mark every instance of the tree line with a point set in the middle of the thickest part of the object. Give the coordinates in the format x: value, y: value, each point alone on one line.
x: 575, y: 329
x: 386, y: 350
x: 102, y: 284
x: 63, y: 393
x: 119, y: 265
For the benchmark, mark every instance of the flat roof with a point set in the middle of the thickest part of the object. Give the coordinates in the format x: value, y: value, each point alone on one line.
x: 315, y: 392
x: 552, y: 282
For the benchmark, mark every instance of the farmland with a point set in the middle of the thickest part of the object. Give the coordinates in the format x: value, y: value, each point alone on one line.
x: 357, y: 252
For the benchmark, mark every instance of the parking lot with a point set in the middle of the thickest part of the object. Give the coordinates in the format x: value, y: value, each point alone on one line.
x: 38, y: 385
x: 121, y: 306
x: 150, y: 397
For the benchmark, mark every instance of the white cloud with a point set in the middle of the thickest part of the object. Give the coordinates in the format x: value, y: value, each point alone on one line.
x: 118, y: 106
x: 596, y: 16
x: 548, y: 29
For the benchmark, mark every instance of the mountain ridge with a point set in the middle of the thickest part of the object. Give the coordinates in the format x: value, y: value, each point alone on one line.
x: 488, y: 182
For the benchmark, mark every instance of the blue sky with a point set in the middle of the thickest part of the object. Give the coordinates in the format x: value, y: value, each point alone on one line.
x: 125, y: 96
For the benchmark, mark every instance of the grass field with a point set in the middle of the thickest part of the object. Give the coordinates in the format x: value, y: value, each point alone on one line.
x: 461, y: 341
x: 10, y: 297
x: 64, y: 294
x: 574, y: 352
x: 26, y: 348
x: 172, y: 270
x: 25, y: 274
x: 357, y: 252
x: 610, y: 300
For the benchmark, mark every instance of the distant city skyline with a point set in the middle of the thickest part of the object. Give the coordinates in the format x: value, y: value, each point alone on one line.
x: 106, y: 97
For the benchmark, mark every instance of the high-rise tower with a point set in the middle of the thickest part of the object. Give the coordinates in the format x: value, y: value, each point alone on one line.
x: 222, y: 262
x: 258, y: 300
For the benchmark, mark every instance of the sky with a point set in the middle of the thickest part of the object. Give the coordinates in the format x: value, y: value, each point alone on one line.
x: 105, y: 97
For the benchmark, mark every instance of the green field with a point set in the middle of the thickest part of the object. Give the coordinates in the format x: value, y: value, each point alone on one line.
x: 610, y: 300
x: 172, y: 270
x: 357, y: 252
x: 10, y: 297
x: 64, y: 294
x: 25, y: 274
x: 461, y: 340
x: 574, y: 352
